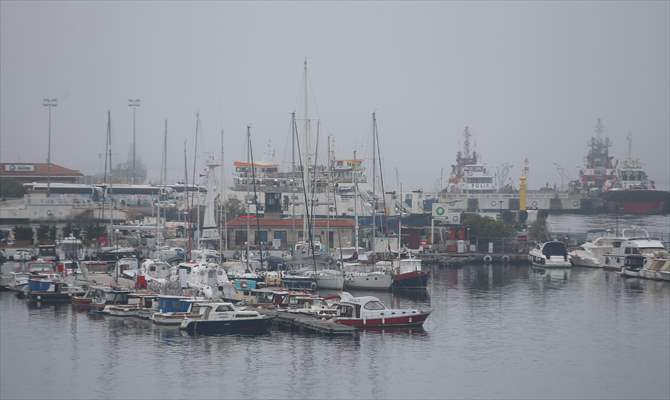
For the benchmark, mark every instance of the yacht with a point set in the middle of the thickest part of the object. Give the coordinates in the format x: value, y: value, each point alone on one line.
x: 224, y: 318
x: 550, y: 255
x: 635, y: 241
x: 357, y: 278
x: 370, y: 312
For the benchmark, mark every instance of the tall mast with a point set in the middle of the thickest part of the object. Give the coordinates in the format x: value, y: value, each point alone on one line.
x: 355, y: 169
x: 186, y: 195
x: 400, y: 225
x: 111, y: 200
x: 246, y: 202
x: 374, y: 180
x: 293, y: 174
x: 197, y: 191
x: 223, y: 237
x: 253, y: 179
x: 306, y: 147
x: 160, y: 187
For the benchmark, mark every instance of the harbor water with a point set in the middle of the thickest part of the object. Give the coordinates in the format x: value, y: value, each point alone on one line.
x: 495, y: 332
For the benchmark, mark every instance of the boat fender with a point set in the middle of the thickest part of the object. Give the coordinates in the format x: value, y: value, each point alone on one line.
x: 487, y: 258
x: 505, y: 259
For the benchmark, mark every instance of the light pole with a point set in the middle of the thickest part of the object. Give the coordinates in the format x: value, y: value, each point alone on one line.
x: 134, y: 103
x: 49, y: 103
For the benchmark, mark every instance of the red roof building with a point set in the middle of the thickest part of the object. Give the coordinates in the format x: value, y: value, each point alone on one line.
x: 37, y: 172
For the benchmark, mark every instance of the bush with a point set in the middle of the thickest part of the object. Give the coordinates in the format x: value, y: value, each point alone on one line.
x: 485, y: 227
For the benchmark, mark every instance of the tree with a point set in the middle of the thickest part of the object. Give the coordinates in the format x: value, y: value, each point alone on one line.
x: 12, y: 189
x: 538, y: 229
x: 233, y: 208
x: 485, y: 227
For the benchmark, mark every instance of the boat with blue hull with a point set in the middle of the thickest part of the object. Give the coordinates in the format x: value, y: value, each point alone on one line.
x: 226, y: 319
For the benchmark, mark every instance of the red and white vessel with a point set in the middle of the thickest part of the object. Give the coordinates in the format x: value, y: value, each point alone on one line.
x: 370, y: 312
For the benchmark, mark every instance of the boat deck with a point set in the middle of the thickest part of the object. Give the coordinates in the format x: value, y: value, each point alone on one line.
x: 307, y: 323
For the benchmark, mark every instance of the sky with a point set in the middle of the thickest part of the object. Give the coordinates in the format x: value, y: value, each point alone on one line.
x: 530, y: 79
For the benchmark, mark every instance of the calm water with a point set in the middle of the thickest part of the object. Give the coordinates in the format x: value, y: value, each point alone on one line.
x: 495, y: 332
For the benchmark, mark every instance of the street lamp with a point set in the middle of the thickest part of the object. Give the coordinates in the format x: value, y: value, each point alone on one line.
x: 49, y: 103
x: 134, y: 103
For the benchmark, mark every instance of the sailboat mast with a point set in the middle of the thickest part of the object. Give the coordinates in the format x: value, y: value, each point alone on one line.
x: 246, y: 202
x: 224, y: 235
x: 160, y: 188
x: 293, y: 188
x: 197, y: 191
x: 111, y: 200
x: 355, y: 170
x: 306, y: 163
x: 400, y: 225
x: 253, y: 179
x: 374, y: 181
x: 188, y: 208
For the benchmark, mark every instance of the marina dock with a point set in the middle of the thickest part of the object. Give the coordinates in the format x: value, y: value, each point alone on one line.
x: 306, y: 323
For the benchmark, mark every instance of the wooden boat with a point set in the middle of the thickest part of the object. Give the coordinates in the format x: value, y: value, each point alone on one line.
x: 369, y: 312
x: 225, y: 319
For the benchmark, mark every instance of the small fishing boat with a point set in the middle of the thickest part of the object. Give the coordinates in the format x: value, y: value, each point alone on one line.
x: 551, y: 254
x: 370, y: 312
x: 225, y: 319
x: 408, y: 274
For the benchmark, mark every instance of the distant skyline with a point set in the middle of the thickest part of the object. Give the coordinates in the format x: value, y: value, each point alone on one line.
x: 530, y: 79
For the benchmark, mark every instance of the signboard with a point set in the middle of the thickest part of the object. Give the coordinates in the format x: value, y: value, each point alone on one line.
x: 19, y: 168
x: 440, y: 210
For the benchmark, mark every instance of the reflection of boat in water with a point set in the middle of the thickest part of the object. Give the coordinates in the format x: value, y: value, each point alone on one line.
x: 554, y: 274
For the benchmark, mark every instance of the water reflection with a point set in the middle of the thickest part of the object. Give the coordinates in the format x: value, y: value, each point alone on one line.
x: 507, y: 326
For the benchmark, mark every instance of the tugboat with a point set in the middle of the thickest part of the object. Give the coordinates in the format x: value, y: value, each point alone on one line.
x: 619, y: 186
x: 370, y: 312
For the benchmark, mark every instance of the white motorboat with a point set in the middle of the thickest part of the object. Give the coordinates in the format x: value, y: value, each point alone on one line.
x: 224, y: 318
x: 552, y: 254
x: 591, y: 252
x: 640, y: 244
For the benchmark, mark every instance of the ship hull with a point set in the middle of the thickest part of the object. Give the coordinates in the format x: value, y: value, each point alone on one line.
x: 638, y: 201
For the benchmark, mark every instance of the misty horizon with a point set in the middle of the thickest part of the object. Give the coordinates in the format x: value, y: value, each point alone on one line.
x: 529, y: 79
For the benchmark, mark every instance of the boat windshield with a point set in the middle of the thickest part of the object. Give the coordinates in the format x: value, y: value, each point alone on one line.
x: 554, y: 249
x: 374, y: 305
x: 224, y: 308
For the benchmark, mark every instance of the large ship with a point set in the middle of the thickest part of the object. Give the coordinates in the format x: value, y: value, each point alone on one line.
x: 620, y: 186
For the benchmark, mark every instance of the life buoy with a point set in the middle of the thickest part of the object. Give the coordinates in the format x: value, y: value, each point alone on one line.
x: 505, y: 259
x: 534, y: 204
x: 487, y: 258
x: 493, y: 203
x: 575, y: 203
x: 313, y: 286
x: 243, y: 284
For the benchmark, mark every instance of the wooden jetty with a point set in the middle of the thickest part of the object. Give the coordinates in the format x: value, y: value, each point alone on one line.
x: 307, y: 323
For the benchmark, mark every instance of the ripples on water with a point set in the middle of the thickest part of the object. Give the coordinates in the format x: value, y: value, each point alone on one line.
x: 507, y: 332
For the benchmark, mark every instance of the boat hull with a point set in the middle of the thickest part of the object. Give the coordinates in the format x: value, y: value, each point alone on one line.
x: 334, y: 282
x: 411, y: 280
x: 49, y: 297
x: 637, y: 201
x: 242, y: 326
x: 368, y: 282
x: 392, y: 322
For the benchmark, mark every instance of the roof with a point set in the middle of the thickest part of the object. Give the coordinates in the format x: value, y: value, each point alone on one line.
x: 257, y: 164
x: 35, y: 170
x: 290, y: 222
